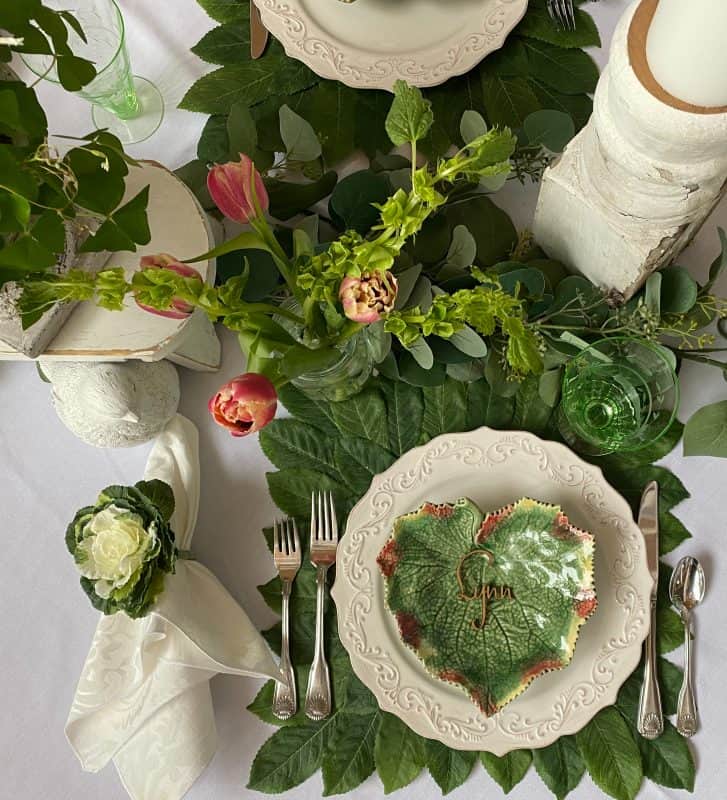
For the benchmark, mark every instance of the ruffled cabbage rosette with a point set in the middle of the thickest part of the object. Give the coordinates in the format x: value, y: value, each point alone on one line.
x: 124, y: 545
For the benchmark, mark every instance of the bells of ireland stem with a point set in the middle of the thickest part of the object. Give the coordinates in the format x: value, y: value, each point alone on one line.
x: 238, y: 190
x: 177, y: 308
x: 367, y: 298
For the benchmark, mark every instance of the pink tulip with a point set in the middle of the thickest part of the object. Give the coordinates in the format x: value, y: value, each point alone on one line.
x: 367, y: 298
x: 245, y: 404
x: 231, y: 187
x: 178, y: 309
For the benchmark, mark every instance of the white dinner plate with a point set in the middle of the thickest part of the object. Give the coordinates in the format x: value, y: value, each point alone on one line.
x: 494, y: 468
x: 369, y: 44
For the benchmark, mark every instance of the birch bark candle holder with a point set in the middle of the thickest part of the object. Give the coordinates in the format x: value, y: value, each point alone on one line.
x: 636, y: 184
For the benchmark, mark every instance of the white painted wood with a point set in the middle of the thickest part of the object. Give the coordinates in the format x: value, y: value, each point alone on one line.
x: 199, y: 348
x: 635, y: 185
x: 178, y: 226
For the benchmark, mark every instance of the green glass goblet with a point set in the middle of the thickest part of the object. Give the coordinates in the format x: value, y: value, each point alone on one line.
x: 619, y: 395
x: 129, y: 106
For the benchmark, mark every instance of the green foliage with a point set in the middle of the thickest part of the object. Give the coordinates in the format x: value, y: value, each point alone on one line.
x: 346, y: 747
x: 507, y: 86
x: 705, y: 434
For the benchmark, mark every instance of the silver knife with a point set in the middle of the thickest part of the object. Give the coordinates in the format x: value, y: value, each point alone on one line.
x: 258, y: 32
x: 650, y: 722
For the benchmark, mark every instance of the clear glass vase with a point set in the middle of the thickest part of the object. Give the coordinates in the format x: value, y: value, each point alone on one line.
x: 343, y: 379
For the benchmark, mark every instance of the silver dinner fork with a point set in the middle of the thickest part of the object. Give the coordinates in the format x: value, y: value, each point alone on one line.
x: 323, y: 544
x: 286, y: 555
x: 562, y: 12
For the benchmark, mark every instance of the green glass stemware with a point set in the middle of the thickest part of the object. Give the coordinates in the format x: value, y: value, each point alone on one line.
x: 131, y: 107
x: 619, y: 395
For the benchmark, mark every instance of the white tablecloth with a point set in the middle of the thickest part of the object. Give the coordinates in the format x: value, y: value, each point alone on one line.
x: 47, y: 623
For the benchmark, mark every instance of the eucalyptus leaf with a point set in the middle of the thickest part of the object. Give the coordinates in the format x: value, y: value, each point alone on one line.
x: 467, y: 372
x: 406, y: 282
x: 462, y: 250
x: 421, y: 352
x: 288, y: 199
x: 301, y: 142
x: 678, y: 290
x: 352, y: 201
x: 705, y: 434
x: 550, y: 128
x: 472, y: 125
x: 411, y: 372
x: 469, y: 342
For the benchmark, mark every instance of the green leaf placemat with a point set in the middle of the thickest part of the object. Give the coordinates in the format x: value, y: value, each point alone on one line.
x: 539, y: 67
x: 342, y: 447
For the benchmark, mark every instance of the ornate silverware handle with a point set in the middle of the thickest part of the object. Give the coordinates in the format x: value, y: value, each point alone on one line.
x: 687, y: 718
x: 284, y: 698
x: 650, y: 723
x: 318, y: 696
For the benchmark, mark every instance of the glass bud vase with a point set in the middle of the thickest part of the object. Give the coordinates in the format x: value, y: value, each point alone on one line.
x: 343, y: 379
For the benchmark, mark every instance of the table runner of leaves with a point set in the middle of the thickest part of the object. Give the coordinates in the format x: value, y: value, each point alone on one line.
x: 540, y: 67
x: 341, y: 446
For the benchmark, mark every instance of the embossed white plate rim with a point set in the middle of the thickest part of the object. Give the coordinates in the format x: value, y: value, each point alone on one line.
x: 303, y: 38
x: 433, y: 709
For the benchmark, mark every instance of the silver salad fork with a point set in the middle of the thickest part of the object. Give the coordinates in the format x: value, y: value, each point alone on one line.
x: 286, y: 555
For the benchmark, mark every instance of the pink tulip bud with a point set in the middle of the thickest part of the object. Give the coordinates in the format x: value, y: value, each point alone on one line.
x: 231, y: 186
x: 367, y: 298
x: 178, y: 309
x: 245, y: 404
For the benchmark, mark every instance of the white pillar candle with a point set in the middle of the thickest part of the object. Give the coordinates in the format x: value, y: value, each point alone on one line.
x: 686, y: 48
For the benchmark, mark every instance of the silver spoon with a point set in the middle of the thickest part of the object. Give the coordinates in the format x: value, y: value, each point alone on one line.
x: 686, y: 591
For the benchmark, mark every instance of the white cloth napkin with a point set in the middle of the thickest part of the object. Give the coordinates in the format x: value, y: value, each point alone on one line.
x: 144, y: 698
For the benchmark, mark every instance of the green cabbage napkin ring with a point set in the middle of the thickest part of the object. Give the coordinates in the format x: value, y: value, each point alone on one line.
x: 489, y: 602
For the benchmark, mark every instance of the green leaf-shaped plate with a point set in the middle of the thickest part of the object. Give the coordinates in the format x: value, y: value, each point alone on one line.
x: 489, y: 602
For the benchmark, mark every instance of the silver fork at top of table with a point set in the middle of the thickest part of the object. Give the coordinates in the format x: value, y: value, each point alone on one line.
x: 323, y: 544
x: 287, y: 557
x: 563, y: 13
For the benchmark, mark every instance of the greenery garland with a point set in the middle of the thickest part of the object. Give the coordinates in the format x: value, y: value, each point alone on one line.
x: 341, y: 446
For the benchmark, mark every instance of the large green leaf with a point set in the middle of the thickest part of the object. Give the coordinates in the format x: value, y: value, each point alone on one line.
x: 538, y: 24
x: 237, y: 11
x: 449, y: 768
x: 350, y: 759
x: 667, y: 760
x: 249, y: 82
x: 289, y: 443
x: 507, y: 770
x: 352, y: 201
x: 400, y: 754
x: 445, y: 408
x: 508, y: 101
x: 485, y: 407
x: 364, y: 416
x: 308, y: 409
x: 292, y: 755
x: 538, y: 574
x: 560, y: 765
x: 492, y: 228
x: 359, y: 460
x: 225, y: 44
x: 405, y: 411
x: 291, y: 489
x: 567, y: 71
x: 611, y: 755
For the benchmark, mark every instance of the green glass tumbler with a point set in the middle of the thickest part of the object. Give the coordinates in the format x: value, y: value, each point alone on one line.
x: 619, y: 395
x: 129, y: 106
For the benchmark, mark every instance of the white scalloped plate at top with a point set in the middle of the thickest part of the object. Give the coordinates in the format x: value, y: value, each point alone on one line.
x: 494, y: 468
x: 369, y: 44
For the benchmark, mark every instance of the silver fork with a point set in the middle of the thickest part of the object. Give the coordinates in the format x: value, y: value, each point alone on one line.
x: 563, y: 13
x: 323, y: 543
x: 286, y: 554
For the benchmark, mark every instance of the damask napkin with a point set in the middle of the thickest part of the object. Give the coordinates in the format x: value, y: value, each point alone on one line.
x: 144, y: 698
